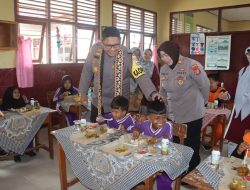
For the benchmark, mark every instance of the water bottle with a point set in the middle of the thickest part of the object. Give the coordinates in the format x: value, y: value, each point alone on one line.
x: 164, y: 146
x: 32, y: 102
x: 215, y: 157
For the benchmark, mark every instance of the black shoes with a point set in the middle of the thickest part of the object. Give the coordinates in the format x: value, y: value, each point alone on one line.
x: 17, y: 158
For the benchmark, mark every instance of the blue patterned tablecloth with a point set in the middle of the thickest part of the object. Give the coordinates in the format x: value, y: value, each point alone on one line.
x: 99, y: 170
x: 18, y: 129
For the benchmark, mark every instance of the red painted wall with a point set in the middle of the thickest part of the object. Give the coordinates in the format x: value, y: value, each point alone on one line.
x: 239, y: 42
x: 46, y: 78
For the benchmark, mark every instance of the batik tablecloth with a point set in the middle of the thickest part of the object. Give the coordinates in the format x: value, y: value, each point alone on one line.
x: 210, y: 114
x: 221, y: 178
x: 18, y: 129
x: 99, y: 170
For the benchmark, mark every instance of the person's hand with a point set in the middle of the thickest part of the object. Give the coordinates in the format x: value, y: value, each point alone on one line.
x: 223, y: 95
x: 84, y: 100
x: 1, y: 114
x: 156, y: 96
x: 135, y: 134
x: 243, y: 147
x: 100, y: 119
x: 66, y: 93
x: 24, y: 98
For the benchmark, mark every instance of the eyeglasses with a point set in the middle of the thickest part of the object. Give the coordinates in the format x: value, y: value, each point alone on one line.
x: 109, y: 47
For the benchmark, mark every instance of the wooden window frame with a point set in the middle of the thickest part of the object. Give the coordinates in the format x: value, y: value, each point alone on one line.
x: 46, y: 23
x: 142, y: 33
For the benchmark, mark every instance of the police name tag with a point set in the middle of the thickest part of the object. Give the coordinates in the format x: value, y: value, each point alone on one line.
x: 137, y: 70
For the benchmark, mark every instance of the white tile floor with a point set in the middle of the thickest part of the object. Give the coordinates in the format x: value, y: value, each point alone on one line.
x: 39, y: 172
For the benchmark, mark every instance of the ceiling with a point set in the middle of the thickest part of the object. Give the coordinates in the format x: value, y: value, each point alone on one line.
x: 235, y: 14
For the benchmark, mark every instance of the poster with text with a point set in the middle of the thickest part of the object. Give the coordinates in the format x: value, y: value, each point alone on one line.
x: 197, y: 44
x: 218, y: 52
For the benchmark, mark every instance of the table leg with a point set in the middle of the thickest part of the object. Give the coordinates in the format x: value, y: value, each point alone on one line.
x: 223, y: 131
x: 62, y: 168
x: 149, y: 182
x: 37, y: 142
x: 50, y: 137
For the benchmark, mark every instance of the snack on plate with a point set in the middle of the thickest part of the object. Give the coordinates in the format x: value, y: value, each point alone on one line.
x: 111, y: 131
x: 23, y: 109
x: 92, y: 125
x: 103, y: 130
x: 242, y: 171
x: 137, y: 141
x: 152, y: 140
x: 90, y: 133
x: 152, y: 150
x: 121, y: 149
x: 77, y: 98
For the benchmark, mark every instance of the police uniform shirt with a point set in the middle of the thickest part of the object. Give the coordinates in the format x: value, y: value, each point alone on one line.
x: 188, y: 87
x: 91, y: 69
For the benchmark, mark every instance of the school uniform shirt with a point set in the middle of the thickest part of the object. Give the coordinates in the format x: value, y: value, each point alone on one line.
x: 186, y: 89
x: 128, y: 122
x: 147, y: 129
x: 91, y: 70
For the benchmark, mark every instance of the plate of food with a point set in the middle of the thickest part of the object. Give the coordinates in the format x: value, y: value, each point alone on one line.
x: 118, y: 148
x: 90, y: 134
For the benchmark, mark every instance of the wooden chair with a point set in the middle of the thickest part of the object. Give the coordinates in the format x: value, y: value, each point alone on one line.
x: 213, y: 136
x: 48, y: 123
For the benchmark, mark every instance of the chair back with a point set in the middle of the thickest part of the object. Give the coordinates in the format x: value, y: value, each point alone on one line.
x: 180, y: 131
x: 50, y: 96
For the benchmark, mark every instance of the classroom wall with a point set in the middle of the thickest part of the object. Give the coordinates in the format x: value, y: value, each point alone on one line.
x: 7, y: 58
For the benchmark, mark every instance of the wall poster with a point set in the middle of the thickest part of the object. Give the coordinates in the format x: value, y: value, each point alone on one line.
x: 217, y: 55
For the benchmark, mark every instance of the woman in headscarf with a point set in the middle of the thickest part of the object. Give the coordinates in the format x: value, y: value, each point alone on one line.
x: 12, y: 99
x: 240, y: 117
x: 66, y: 89
x: 185, y: 86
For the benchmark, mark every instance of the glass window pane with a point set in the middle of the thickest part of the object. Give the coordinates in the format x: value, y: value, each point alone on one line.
x: 123, y: 39
x: 235, y: 19
x: 187, y: 22
x: 83, y: 43
x: 135, y: 40
x: 61, y: 43
x: 148, y: 42
x: 34, y: 32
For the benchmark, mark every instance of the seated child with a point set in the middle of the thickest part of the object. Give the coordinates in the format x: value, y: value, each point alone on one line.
x: 66, y: 89
x: 158, y: 127
x: 12, y: 99
x: 217, y: 92
x: 118, y: 118
x: 241, y: 149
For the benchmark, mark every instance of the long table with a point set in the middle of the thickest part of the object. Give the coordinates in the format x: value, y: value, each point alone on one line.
x: 96, y: 169
x: 17, y: 130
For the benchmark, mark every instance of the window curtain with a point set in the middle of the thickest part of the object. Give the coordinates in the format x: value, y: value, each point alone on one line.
x: 24, y: 64
x: 155, y: 57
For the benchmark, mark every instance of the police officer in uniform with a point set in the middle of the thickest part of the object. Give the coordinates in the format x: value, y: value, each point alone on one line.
x: 185, y: 88
x: 111, y: 66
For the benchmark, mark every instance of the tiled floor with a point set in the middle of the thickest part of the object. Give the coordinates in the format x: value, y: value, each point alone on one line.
x: 38, y: 173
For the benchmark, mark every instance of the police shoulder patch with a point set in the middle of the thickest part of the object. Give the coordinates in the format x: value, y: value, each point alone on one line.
x: 137, y: 70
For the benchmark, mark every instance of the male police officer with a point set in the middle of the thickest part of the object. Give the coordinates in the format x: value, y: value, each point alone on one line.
x: 111, y: 66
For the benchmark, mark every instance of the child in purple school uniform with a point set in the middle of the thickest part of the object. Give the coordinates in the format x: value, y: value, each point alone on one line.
x: 118, y: 118
x: 158, y: 127
x: 66, y: 89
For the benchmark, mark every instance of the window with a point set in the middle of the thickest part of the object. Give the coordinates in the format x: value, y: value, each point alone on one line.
x: 137, y: 26
x: 62, y: 31
x: 203, y: 29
